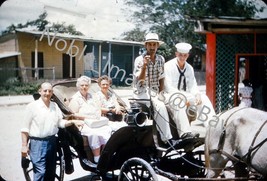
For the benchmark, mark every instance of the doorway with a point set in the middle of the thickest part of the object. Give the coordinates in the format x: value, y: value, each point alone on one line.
x: 68, y: 66
x: 40, y: 64
x: 254, y: 69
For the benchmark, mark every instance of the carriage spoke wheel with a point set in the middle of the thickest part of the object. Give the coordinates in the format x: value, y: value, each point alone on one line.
x: 60, y: 166
x: 137, y: 169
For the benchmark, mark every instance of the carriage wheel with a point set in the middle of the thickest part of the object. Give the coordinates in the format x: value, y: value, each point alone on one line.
x: 137, y: 169
x: 60, y: 166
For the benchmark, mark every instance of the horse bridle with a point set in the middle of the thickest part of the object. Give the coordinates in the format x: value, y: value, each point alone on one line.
x: 222, y: 140
x: 251, y: 148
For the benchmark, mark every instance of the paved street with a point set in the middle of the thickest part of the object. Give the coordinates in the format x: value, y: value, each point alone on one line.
x: 11, y: 111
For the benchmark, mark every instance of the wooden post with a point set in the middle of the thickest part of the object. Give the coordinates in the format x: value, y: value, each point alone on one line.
x: 211, y: 67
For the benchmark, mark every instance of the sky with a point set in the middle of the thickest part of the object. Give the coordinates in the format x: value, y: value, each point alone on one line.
x: 99, y: 19
x: 102, y: 19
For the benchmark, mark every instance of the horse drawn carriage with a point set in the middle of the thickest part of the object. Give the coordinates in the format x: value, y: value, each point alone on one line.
x: 134, y: 152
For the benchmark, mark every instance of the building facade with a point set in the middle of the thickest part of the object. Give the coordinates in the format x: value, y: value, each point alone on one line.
x: 53, y: 56
x: 236, y: 50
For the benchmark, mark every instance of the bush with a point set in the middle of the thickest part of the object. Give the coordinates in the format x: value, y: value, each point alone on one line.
x: 15, y: 87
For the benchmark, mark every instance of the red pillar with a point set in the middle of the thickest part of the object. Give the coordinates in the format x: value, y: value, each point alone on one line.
x: 211, y: 67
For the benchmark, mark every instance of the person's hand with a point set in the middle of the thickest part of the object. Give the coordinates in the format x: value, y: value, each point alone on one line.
x: 161, y: 96
x: 118, y: 111
x: 24, y: 151
x: 198, y: 99
x: 74, y: 117
x: 78, y: 123
x: 146, y: 60
x: 78, y: 117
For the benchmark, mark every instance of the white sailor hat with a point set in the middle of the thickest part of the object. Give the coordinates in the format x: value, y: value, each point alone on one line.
x: 152, y: 37
x: 183, y: 47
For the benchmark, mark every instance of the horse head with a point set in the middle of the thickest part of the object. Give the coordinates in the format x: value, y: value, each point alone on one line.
x: 232, y: 138
x: 216, y: 142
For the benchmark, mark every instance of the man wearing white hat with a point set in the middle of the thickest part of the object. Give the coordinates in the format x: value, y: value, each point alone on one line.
x: 149, y: 83
x: 180, y: 77
x: 148, y: 77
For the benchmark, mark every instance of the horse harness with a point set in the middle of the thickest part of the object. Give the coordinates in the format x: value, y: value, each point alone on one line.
x: 251, y: 148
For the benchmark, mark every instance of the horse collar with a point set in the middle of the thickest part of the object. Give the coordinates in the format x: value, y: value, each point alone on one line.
x: 223, y: 134
x: 252, y: 147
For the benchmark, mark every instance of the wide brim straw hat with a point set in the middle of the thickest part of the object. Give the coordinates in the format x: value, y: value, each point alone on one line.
x: 152, y: 37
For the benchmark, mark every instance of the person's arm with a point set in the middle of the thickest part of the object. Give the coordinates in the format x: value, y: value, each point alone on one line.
x: 193, y: 88
x: 117, y: 105
x: 161, y: 73
x: 140, y: 70
x: 142, y: 75
x: 26, y: 122
x: 68, y: 121
x: 98, y: 98
x: 24, y: 146
x: 161, y: 84
x: 74, y: 106
x: 78, y: 123
x: 114, y: 109
x: 170, y: 79
x: 105, y: 110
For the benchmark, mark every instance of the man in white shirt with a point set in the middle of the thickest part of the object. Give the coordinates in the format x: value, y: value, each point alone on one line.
x: 180, y: 77
x: 39, y: 127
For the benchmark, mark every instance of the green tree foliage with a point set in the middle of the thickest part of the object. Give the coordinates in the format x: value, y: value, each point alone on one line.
x: 174, y: 20
x: 63, y: 28
x: 135, y: 35
x: 40, y: 24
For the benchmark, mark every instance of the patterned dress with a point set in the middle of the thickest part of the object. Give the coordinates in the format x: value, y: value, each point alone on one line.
x: 245, y: 96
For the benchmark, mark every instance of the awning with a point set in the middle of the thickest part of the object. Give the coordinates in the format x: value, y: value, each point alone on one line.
x: 9, y: 54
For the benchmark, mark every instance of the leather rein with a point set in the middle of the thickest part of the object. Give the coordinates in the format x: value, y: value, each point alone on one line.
x: 251, y: 148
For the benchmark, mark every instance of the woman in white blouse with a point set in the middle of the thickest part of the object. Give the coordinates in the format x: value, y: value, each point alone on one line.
x: 86, y: 107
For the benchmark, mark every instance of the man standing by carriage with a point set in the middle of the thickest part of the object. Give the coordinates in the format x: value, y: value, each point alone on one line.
x: 40, y: 125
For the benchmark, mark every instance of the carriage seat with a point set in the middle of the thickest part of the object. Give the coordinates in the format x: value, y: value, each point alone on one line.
x: 64, y: 93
